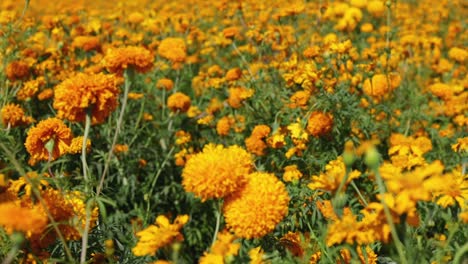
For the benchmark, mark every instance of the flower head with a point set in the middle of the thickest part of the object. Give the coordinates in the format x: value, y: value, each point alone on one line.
x: 161, y: 234
x: 52, y: 129
x: 173, y: 49
x: 254, y: 210
x: 86, y: 92
x: 319, y: 124
x: 13, y: 116
x: 216, y: 171
x: 119, y: 59
x: 178, y: 102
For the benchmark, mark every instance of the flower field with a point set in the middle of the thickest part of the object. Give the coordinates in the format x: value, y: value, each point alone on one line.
x: 153, y: 131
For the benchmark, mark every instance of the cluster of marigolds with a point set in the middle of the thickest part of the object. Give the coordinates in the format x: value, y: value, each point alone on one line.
x: 251, y: 92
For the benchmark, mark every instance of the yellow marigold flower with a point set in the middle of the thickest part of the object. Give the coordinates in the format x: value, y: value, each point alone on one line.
x: 147, y: 117
x: 315, y: 258
x: 173, y: 49
x: 237, y: 95
x: 52, y: 129
x: 135, y: 96
x: 367, y: 27
x: 256, y: 255
x: 358, y: 3
x: 30, y: 88
x: 164, y: 83
x: 277, y: 140
x: 17, y: 70
x: 255, y: 209
x: 376, y: 8
x: 159, y: 235
x: 291, y: 173
x: 349, y: 230
x: 334, y: 173
x: 77, y: 145
x: 216, y: 171
x: 18, y: 218
x: 76, y: 95
x: 381, y: 85
x: 458, y: 54
x: 135, y: 18
x: 222, y: 248
x: 119, y: 59
x: 182, y: 137
x: 178, y: 102
x: 233, y: 74
x: 319, y: 124
x: 441, y: 90
x: 13, y: 116
x: 86, y: 43
x: 461, y: 145
x: 454, y: 190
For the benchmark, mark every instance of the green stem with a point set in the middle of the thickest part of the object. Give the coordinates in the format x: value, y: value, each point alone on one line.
x: 359, y: 193
x: 128, y: 76
x: 83, y: 148
x: 155, y: 179
x: 218, y: 220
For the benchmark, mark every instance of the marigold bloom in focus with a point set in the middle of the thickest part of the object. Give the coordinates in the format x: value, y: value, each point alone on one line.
x: 255, y: 209
x: 256, y: 142
x: 178, y: 102
x: 13, y: 116
x: 161, y: 234
x: 119, y: 59
x: 216, y: 171
x: 381, y: 85
x: 173, y: 49
x: 50, y: 129
x: 319, y: 124
x: 97, y: 93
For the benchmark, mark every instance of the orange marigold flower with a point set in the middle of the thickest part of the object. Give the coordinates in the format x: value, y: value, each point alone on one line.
x: 87, y: 92
x: 335, y: 171
x: 159, y: 235
x: 17, y: 70
x: 164, y: 83
x: 119, y: 59
x: 216, y: 171
x: 256, y: 142
x: 173, y: 49
x: 233, y: 74
x: 255, y: 209
x: 224, y: 125
x: 77, y: 145
x: 52, y: 129
x: 291, y: 173
x: 45, y: 94
x: 376, y: 8
x: 237, y: 95
x: 13, y: 116
x: 30, y: 88
x: 86, y: 43
x: 26, y: 220
x: 458, y: 54
x: 178, y: 102
x: 299, y: 99
x: 120, y: 148
x: 135, y: 96
x: 319, y: 124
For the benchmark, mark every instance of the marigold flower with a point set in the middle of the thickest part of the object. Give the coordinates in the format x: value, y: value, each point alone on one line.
x: 237, y: 95
x: 381, y: 84
x: 17, y: 70
x: 256, y: 142
x: 256, y: 255
x: 30, y: 88
x: 164, y: 83
x: 224, y: 125
x: 50, y: 129
x: 45, y: 94
x: 17, y: 218
x: 222, y: 248
x: 458, y: 54
x: 13, y: 116
x: 119, y: 59
x: 77, y: 145
x: 291, y: 173
x: 173, y: 49
x: 335, y: 171
x: 216, y: 171
x: 120, y: 148
x: 233, y: 74
x: 376, y: 8
x: 76, y: 95
x: 319, y: 124
x: 161, y: 234
x: 86, y: 43
x: 178, y: 102
x: 255, y: 209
